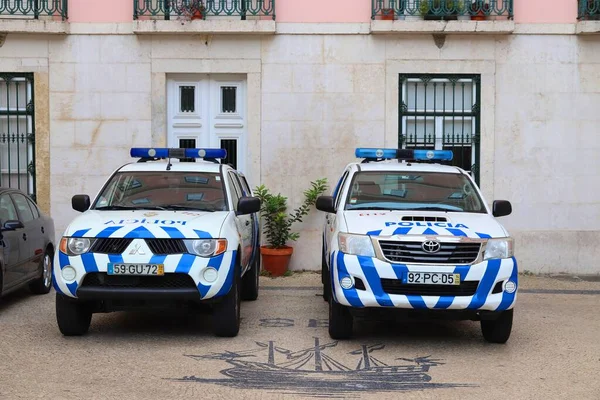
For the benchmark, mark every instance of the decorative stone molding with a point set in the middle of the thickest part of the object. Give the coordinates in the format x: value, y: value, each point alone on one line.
x: 33, y: 26
x: 446, y: 27
x: 222, y: 26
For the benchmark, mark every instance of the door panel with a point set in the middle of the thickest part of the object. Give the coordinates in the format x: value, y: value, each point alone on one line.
x: 27, y: 245
x: 244, y: 222
x: 11, y: 241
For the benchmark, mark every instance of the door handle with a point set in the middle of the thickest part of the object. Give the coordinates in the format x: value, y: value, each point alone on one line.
x: 42, y: 229
x: 24, y: 236
x: 247, y: 223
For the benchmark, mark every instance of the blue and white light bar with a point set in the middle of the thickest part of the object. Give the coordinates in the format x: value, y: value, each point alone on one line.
x: 156, y: 152
x: 404, y: 154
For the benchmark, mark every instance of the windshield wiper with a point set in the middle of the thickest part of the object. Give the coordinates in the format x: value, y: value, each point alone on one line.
x: 178, y: 207
x: 371, y: 208
x: 117, y: 208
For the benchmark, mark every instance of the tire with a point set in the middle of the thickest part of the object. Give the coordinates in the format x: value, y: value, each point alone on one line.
x: 325, y: 278
x: 73, y: 317
x: 340, y: 320
x: 226, y: 313
x: 250, y: 280
x: 498, y: 330
x: 43, y: 284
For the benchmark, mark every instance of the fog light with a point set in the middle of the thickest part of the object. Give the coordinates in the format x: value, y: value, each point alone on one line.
x: 68, y: 273
x: 346, y: 282
x: 510, y: 287
x: 210, y: 274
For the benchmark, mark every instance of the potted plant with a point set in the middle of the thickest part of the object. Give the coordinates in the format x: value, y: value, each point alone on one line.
x: 388, y: 14
x: 479, y: 10
x: 277, y: 224
x: 189, y: 9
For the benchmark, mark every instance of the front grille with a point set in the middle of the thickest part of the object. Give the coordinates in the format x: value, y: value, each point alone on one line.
x: 167, y: 281
x: 412, y: 252
x: 395, y: 286
x: 166, y: 246
x: 110, y: 245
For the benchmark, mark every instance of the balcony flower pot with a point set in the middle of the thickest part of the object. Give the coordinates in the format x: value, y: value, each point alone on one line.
x: 277, y: 223
x: 479, y: 10
x: 388, y: 14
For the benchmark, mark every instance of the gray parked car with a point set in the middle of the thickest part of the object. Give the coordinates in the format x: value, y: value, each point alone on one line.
x: 27, y: 244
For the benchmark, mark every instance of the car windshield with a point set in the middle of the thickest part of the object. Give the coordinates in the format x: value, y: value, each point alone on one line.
x: 425, y: 191
x: 201, y: 191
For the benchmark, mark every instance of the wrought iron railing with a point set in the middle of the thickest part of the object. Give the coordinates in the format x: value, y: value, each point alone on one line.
x: 17, y: 132
x: 34, y: 9
x: 589, y: 10
x: 196, y: 9
x: 441, y: 9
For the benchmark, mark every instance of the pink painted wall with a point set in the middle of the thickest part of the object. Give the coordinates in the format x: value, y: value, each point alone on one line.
x: 545, y: 11
x: 100, y: 11
x: 323, y: 10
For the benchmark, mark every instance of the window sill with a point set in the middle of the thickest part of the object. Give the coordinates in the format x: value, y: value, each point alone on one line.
x: 587, y: 28
x: 47, y: 26
x: 448, y: 27
x: 209, y: 26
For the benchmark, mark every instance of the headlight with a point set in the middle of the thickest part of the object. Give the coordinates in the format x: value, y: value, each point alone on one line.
x: 359, y: 245
x: 206, y: 247
x: 498, y: 248
x: 75, y: 246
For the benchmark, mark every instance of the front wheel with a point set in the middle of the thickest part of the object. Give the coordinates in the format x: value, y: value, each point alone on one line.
x: 498, y: 330
x: 226, y: 313
x: 340, y: 320
x: 73, y: 316
x: 43, y: 284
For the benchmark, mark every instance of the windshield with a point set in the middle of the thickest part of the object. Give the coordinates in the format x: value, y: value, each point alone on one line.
x: 426, y: 191
x: 163, y: 191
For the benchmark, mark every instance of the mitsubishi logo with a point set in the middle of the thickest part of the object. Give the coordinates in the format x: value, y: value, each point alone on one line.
x: 137, y: 249
x: 431, y: 246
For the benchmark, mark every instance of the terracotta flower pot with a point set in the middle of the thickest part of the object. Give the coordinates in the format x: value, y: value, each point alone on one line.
x: 276, y: 261
x: 387, y: 14
x: 197, y: 15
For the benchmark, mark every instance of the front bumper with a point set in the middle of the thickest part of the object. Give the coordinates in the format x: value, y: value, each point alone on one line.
x: 489, y: 278
x: 183, y: 277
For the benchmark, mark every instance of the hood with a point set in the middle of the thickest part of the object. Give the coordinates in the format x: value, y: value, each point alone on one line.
x: 387, y: 223
x: 147, y: 224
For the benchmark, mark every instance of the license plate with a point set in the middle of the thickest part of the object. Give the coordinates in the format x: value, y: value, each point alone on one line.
x: 431, y: 278
x: 136, y: 269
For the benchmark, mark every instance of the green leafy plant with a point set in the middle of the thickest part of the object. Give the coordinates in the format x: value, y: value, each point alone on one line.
x: 277, y: 222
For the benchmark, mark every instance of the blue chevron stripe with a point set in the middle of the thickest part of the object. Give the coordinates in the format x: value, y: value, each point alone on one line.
x: 140, y: 232
x: 483, y: 235
x: 202, y: 234
x: 509, y: 298
x: 173, y: 233
x: 214, y: 262
x: 229, y: 280
x: 331, y: 266
x: 108, y: 231
x: 158, y: 259
x: 401, y: 231
x: 89, y: 262
x: 63, y: 259
x: 350, y: 294
x: 368, y: 268
x: 446, y: 301
x: 456, y: 232
x: 415, y: 301
x: 72, y: 287
x: 115, y: 258
x: 374, y: 233
x: 185, y: 263
x: 429, y: 231
x: 80, y: 233
x: 485, y: 286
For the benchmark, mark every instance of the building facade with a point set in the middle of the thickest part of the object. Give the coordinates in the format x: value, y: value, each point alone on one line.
x: 291, y: 88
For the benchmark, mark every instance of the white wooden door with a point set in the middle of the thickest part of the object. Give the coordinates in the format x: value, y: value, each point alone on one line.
x: 208, y: 111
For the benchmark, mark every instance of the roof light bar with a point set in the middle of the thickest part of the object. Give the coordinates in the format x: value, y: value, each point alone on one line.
x: 404, y: 154
x: 156, y: 152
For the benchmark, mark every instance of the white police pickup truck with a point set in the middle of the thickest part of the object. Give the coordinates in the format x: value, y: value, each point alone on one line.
x: 405, y: 234
x: 174, y: 228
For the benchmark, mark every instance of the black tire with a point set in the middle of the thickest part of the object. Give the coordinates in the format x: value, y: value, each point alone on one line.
x: 43, y: 284
x: 226, y: 313
x: 250, y: 280
x: 73, y: 316
x: 498, y: 330
x: 325, y: 278
x: 340, y: 320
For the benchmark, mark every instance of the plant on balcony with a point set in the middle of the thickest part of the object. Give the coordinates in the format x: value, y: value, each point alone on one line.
x: 278, y: 223
x: 189, y: 9
x: 388, y: 14
x: 479, y: 10
x: 437, y: 10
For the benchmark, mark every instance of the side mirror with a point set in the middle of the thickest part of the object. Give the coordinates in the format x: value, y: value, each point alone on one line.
x: 248, y: 205
x: 80, y: 202
x: 326, y: 203
x: 501, y: 208
x: 12, y: 225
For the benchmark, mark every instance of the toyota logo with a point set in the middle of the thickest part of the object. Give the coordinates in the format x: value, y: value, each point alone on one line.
x: 431, y: 246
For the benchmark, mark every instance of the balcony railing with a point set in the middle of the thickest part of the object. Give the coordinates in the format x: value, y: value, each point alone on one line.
x: 196, y: 9
x: 478, y: 10
x: 33, y: 9
x: 589, y: 10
